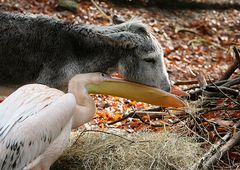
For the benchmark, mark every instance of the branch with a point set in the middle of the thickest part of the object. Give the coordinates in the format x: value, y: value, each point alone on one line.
x: 222, y: 151
x: 234, y: 66
x: 218, y: 150
x: 186, y: 82
x: 206, y: 110
x: 232, y: 82
x: 224, y: 89
x: 152, y: 114
x: 225, y: 94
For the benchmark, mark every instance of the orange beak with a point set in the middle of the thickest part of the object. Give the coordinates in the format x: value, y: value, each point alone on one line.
x: 135, y: 91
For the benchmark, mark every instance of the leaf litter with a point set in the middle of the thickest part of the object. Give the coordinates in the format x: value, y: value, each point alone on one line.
x: 192, y: 40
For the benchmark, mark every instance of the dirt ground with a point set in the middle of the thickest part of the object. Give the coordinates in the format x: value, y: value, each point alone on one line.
x: 193, y: 40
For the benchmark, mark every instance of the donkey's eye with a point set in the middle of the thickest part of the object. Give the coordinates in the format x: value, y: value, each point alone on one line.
x: 150, y: 60
x: 142, y: 30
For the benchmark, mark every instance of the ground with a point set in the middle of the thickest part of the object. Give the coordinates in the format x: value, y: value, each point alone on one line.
x: 193, y: 41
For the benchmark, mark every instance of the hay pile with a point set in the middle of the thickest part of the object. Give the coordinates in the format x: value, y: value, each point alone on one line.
x: 151, y: 151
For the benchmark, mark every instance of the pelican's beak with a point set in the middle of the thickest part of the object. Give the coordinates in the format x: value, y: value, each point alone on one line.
x: 135, y: 91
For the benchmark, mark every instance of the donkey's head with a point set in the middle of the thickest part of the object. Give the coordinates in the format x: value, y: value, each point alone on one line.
x: 142, y: 57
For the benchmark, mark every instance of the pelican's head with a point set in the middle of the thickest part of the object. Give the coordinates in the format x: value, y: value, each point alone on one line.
x: 100, y: 83
x: 90, y: 78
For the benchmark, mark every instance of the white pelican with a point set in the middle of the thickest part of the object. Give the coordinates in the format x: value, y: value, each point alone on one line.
x: 36, y: 121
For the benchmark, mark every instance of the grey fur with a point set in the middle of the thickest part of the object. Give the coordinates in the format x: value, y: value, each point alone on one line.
x: 41, y: 49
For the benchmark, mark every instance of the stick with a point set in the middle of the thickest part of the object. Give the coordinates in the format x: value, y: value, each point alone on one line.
x: 159, y: 114
x: 232, y: 82
x: 225, y: 94
x: 201, y: 79
x: 237, y: 55
x: 181, y: 29
x: 219, y: 83
x: 206, y: 110
x: 152, y: 114
x: 186, y: 82
x: 222, y: 151
x: 234, y: 66
x: 224, y: 89
x: 123, y: 118
x: 202, y: 83
x: 102, y: 12
x: 208, y: 42
x: 218, y: 150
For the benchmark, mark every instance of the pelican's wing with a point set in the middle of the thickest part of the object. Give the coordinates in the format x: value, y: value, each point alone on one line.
x: 30, y: 119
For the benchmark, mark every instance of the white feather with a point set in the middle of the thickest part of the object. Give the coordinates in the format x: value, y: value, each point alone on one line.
x: 40, y: 112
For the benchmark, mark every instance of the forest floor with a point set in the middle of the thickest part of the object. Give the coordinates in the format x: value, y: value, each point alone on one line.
x: 195, y: 42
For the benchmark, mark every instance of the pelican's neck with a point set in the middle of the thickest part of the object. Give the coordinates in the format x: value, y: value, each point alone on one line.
x: 85, y: 109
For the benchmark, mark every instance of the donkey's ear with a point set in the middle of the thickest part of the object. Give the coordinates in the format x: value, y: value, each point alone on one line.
x: 117, y: 19
x: 124, y: 39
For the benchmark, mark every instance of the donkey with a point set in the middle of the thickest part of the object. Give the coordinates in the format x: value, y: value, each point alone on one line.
x: 42, y: 49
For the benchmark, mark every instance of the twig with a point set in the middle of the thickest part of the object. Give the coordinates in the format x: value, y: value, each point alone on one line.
x: 196, y: 119
x: 237, y: 55
x: 140, y: 114
x: 181, y: 29
x: 199, y: 136
x: 224, y: 89
x: 133, y: 114
x: 123, y: 118
x: 102, y: 12
x: 215, y: 130
x: 218, y: 150
x: 212, y: 94
x: 234, y: 66
x: 224, y: 93
x: 186, y: 82
x: 208, y: 42
x: 84, y: 130
x: 222, y: 151
x: 219, y: 83
x: 100, y: 131
x: 152, y: 113
x: 158, y: 108
x: 150, y: 123
x: 212, y: 150
x: 202, y: 84
x: 206, y: 110
x: 232, y: 82
x: 201, y: 78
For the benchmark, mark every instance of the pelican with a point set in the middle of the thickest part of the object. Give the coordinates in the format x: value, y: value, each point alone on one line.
x: 36, y: 120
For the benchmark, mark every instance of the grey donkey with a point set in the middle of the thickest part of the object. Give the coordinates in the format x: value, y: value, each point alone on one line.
x: 42, y: 49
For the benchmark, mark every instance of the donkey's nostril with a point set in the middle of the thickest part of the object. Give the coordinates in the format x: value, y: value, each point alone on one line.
x: 167, y: 89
